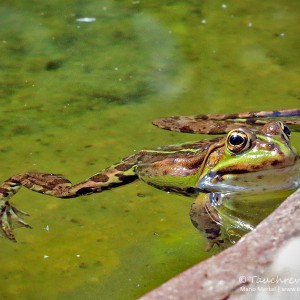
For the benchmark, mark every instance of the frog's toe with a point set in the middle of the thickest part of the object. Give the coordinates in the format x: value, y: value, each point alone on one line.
x: 219, y: 242
x: 16, y: 219
x: 10, y: 219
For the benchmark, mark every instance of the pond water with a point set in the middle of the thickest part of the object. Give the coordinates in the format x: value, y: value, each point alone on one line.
x: 80, y: 83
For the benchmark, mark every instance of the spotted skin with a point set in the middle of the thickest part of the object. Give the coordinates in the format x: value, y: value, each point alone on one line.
x: 219, y: 124
x: 197, y: 170
x: 58, y: 186
x: 205, y: 218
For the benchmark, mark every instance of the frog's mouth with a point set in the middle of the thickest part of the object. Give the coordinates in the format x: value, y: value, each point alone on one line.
x: 287, y: 178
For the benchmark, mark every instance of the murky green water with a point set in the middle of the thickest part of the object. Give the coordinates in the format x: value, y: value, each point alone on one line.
x: 78, y: 96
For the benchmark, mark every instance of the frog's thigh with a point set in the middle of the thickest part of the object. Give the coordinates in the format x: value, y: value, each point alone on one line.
x: 206, y: 219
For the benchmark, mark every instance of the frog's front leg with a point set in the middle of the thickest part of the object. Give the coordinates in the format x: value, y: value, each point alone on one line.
x: 58, y: 186
x: 205, y: 218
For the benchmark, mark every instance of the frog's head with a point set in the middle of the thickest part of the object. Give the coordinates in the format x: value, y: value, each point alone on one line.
x: 250, y: 161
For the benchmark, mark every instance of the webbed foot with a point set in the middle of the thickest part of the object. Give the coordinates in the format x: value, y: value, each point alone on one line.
x: 10, y: 218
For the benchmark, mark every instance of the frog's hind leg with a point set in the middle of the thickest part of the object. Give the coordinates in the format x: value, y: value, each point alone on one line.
x: 117, y: 175
x: 206, y: 219
x: 58, y: 186
x: 10, y: 217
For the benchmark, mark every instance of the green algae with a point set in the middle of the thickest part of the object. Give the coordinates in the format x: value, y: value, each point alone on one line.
x: 76, y: 97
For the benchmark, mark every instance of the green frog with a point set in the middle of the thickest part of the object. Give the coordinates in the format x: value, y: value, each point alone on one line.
x: 254, y: 157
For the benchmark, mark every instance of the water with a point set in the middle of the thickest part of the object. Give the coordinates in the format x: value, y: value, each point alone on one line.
x: 79, y: 94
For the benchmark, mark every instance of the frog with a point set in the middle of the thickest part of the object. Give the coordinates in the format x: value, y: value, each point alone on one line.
x: 252, y: 154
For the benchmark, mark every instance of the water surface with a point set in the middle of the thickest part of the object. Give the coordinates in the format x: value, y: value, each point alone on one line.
x: 80, y: 84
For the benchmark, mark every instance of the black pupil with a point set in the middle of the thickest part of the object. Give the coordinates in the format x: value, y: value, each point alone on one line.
x: 236, y: 140
x: 286, y: 130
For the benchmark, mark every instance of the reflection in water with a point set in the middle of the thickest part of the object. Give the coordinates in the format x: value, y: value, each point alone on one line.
x: 169, y: 75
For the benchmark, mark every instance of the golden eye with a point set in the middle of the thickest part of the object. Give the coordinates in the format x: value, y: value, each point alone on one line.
x: 237, y: 141
x: 285, y: 131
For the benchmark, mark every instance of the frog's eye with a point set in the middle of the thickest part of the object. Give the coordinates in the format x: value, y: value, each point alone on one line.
x: 285, y: 131
x: 237, y: 141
